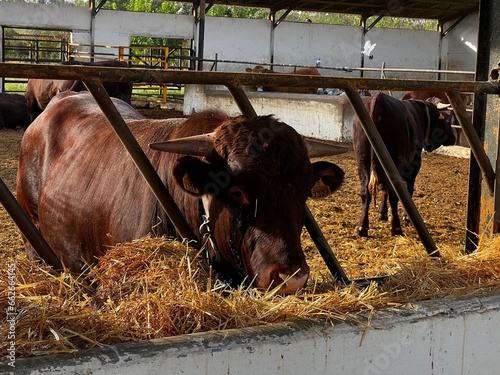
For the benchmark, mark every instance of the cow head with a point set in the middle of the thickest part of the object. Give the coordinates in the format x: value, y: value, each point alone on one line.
x: 254, y: 183
x: 440, y: 131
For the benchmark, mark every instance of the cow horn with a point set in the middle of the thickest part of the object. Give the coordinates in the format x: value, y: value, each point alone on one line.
x: 199, y: 145
x: 316, y: 149
x: 442, y: 105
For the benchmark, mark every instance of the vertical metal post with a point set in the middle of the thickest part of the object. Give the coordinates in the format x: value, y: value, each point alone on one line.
x: 474, y: 142
x: 201, y: 35
x: 391, y: 171
x: 483, y: 208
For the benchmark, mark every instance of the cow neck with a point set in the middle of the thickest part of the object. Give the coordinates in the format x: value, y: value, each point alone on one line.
x: 428, y: 130
x: 208, y: 242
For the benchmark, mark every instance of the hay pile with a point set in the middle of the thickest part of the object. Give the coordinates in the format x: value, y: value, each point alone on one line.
x: 153, y: 288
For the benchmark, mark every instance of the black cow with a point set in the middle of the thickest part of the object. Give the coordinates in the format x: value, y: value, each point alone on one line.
x: 406, y: 127
x: 13, y: 111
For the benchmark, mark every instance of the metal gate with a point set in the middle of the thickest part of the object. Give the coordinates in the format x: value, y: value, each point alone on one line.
x: 145, y: 57
x: 35, y: 48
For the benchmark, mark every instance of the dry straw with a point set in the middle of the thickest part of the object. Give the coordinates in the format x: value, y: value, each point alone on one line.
x: 153, y: 287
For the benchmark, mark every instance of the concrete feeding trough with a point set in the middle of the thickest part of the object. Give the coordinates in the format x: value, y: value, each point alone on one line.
x: 448, y: 336
x: 324, y: 117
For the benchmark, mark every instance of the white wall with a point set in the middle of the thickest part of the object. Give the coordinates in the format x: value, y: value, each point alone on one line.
x: 460, y: 45
x: 236, y: 40
x: 44, y: 15
x: 400, y: 48
x: 304, y: 43
x: 115, y: 27
x: 250, y: 40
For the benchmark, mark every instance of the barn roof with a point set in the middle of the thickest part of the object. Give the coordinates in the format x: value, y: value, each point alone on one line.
x: 442, y: 10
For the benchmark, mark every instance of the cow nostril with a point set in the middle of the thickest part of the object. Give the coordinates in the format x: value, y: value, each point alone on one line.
x: 291, y: 283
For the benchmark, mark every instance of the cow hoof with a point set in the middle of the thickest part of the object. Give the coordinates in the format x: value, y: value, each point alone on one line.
x: 383, y: 217
x: 397, y: 232
x: 363, y: 232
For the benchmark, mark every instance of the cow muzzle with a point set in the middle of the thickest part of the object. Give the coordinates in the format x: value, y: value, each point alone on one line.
x: 289, y: 281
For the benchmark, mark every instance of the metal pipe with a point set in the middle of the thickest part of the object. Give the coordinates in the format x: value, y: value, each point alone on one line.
x: 242, y: 100
x: 391, y: 171
x: 475, y: 143
x: 324, y: 248
x: 27, y: 228
x: 201, y: 35
x: 141, y: 161
x: 106, y: 74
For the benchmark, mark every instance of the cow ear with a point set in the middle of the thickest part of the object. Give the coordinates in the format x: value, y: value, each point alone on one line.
x: 327, y: 178
x: 192, y: 175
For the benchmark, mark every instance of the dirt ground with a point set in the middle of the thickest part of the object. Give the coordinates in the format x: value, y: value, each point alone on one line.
x: 440, y: 196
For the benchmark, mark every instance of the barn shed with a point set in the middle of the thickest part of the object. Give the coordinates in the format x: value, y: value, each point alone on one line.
x: 447, y: 336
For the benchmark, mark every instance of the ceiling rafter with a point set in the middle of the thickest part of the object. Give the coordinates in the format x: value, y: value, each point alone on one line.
x: 443, y: 10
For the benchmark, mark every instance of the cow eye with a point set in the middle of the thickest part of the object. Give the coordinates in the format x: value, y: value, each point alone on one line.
x: 238, y: 195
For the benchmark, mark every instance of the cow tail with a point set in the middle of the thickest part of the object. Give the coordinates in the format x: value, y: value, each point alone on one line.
x: 375, y: 182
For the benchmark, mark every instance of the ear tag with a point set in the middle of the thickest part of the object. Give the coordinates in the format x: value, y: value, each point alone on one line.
x: 320, y: 190
x: 441, y: 116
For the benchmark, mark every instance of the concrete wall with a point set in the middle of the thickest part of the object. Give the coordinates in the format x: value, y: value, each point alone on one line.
x: 399, y: 48
x: 460, y: 46
x: 318, y: 116
x: 236, y: 40
x: 115, y: 28
x: 446, y: 337
x: 304, y: 43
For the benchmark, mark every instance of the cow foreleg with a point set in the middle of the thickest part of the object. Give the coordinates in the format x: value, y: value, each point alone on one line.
x: 395, y: 221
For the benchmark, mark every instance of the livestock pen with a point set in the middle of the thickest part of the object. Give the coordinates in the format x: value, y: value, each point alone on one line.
x: 282, y: 336
x: 445, y: 336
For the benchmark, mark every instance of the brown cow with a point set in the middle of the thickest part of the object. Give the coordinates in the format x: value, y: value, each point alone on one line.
x: 301, y: 90
x: 83, y: 192
x: 406, y: 127
x: 13, y: 111
x: 424, y: 95
x: 39, y: 92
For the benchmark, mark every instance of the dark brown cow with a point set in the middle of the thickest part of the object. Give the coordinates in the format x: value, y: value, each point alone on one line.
x: 301, y: 90
x: 83, y: 192
x: 13, y: 111
x: 407, y: 127
x: 39, y: 92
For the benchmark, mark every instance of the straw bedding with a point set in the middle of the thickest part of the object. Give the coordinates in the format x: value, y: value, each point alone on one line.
x: 156, y: 287
x: 153, y: 287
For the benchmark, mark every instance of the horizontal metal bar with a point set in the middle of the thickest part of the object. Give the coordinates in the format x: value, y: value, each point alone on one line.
x: 107, y: 74
x: 342, y: 68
